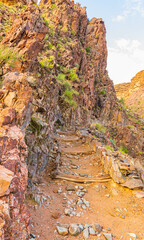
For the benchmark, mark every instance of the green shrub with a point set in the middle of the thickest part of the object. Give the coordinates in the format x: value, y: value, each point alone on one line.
x: 123, y: 149
x: 122, y: 101
x: 69, y: 92
x: 130, y: 126
x: 46, y: 21
x: 9, y: 55
x: 73, y: 76
x: 88, y: 49
x: 46, y: 62
x: 73, y: 32
x: 109, y: 147
x: 61, y: 78
x: 102, y: 92
x: 99, y: 127
x: 112, y: 141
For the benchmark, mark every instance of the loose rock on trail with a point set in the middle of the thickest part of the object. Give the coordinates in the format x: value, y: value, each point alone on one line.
x: 72, y: 210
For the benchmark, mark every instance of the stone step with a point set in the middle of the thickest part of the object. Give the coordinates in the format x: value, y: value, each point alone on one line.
x: 68, y: 133
x: 77, y: 151
x: 67, y: 138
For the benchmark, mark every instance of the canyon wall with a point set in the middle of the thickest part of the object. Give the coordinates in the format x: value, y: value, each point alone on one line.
x: 60, y: 81
x: 133, y: 93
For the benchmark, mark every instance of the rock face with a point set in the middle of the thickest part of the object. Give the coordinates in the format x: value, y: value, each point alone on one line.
x: 15, y: 110
x: 12, y: 2
x: 59, y: 81
x: 133, y: 93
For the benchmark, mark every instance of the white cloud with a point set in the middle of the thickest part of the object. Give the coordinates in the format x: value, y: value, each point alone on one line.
x: 131, y: 7
x: 125, y: 60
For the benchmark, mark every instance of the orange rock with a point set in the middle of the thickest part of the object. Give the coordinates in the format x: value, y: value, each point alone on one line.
x: 6, y: 177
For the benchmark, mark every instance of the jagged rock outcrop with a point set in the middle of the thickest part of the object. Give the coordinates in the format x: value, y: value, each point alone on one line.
x: 15, y: 112
x: 12, y: 2
x: 133, y: 93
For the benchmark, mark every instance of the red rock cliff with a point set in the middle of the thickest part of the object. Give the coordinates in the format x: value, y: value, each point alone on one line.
x: 133, y: 93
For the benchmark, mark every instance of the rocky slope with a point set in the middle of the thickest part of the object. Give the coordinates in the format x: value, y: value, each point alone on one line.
x: 133, y: 93
x: 53, y: 75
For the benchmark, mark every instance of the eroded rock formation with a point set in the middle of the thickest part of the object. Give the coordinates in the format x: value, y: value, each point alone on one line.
x: 12, y: 2
x: 133, y: 93
x: 15, y: 112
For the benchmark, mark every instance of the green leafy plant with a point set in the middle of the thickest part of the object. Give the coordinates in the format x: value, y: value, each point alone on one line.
x: 46, y: 62
x: 9, y: 55
x: 123, y: 149
x: 99, y: 127
x: 88, y: 49
x: 109, y: 147
x: 122, y: 101
x: 69, y: 92
x: 102, y: 92
x: 130, y: 126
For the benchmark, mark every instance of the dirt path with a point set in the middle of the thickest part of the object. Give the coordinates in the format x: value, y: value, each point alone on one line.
x: 115, y: 208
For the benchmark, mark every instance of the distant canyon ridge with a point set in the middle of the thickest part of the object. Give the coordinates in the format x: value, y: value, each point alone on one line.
x: 132, y: 94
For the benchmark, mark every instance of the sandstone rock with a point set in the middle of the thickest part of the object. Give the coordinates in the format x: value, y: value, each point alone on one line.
x: 6, y: 177
x: 97, y: 227
x: 132, y: 235
x: 67, y: 211
x: 108, y: 236
x: 92, y: 231
x: 139, y: 194
x: 74, y: 229
x: 86, y: 233
x: 133, y: 183
x: 62, y: 231
x: 70, y: 188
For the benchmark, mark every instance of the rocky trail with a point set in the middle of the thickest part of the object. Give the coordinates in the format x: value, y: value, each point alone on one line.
x: 100, y: 210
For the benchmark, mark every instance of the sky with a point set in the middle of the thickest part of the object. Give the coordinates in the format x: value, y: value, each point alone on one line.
x: 124, y: 20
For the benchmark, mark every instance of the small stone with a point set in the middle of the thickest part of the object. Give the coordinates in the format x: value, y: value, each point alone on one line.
x: 80, y: 194
x: 86, y: 233
x: 83, y: 207
x: 86, y: 203
x: 108, y: 236
x: 97, y: 227
x: 107, y: 195
x: 79, y: 202
x: 83, y: 175
x: 92, y: 231
x: 63, y: 225
x: 139, y: 194
x: 74, y: 229
x: 70, y: 188
x: 55, y: 215
x: 73, y: 213
x: 59, y: 191
x: 81, y: 227
x: 62, y: 231
x: 67, y: 211
x: 88, y: 225
x: 133, y: 235
x: 32, y: 235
